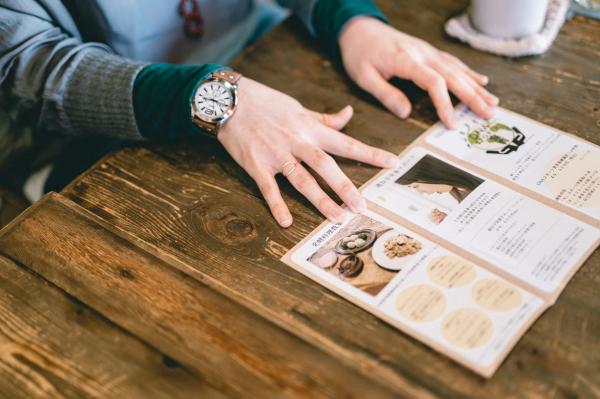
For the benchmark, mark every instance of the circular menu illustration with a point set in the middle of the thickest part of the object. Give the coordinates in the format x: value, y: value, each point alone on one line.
x: 421, y: 303
x: 450, y: 271
x: 497, y: 295
x: 467, y: 328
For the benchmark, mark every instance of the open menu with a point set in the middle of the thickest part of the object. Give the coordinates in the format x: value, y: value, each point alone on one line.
x: 470, y: 238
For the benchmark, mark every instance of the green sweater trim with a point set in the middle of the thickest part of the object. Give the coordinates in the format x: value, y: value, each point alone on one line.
x: 330, y: 16
x: 162, y: 98
x: 162, y: 93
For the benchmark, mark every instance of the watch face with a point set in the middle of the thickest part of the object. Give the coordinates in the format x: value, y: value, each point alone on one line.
x: 213, y: 100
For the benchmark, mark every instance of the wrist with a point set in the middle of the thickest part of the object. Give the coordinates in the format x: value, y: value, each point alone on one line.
x: 330, y: 17
x: 214, y: 100
x: 354, y: 27
x: 162, y: 97
x: 355, y: 24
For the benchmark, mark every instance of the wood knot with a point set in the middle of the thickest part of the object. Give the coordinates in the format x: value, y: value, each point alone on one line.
x: 227, y: 225
x: 125, y: 273
x: 239, y: 227
x: 170, y: 362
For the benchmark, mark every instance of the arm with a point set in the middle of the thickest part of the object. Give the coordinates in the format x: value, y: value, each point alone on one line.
x: 55, y: 83
x: 270, y: 129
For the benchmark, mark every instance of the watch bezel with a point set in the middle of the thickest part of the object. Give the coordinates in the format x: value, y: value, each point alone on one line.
x: 219, y: 120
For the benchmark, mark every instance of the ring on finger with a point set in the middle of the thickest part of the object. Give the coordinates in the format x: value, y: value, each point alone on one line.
x: 288, y: 168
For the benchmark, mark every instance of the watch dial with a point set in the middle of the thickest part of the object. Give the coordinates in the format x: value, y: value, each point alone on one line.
x: 213, y: 100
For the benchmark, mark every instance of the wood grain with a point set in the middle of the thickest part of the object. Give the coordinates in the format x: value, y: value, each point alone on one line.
x: 193, y: 228
x: 188, y: 206
x: 235, y: 350
x: 10, y: 206
x: 52, y: 346
x: 560, y: 87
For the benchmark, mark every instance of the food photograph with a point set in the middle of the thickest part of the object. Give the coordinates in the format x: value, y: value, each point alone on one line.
x: 367, y: 254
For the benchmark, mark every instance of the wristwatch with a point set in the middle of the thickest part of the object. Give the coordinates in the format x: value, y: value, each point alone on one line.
x: 215, y: 100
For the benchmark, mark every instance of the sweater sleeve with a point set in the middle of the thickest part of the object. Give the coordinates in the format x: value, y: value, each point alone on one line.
x: 51, y: 81
x: 330, y: 16
x: 303, y: 9
x: 162, y: 98
x: 163, y: 93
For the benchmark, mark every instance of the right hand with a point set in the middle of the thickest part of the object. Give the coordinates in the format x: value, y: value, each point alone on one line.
x: 270, y: 129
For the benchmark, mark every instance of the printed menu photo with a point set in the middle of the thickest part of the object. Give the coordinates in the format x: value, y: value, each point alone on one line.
x: 429, y: 292
x: 535, y: 156
x: 508, y: 231
x: 459, y: 251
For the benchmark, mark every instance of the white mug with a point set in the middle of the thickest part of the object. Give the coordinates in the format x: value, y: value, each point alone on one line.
x: 508, y: 19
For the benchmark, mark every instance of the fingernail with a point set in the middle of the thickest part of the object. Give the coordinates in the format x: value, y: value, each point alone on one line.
x: 391, y: 161
x: 285, y: 222
x: 358, y: 204
x: 450, y: 122
x: 495, y: 100
x: 403, y: 112
x: 484, y: 80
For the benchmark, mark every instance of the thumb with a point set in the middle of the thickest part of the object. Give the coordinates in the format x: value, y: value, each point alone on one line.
x: 334, y: 121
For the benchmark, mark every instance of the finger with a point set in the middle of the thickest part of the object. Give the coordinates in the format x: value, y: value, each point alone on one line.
x: 435, y: 85
x: 270, y: 191
x: 464, y: 88
x: 486, y: 100
x: 489, y: 97
x: 335, y: 121
x: 391, y: 97
x: 306, y: 184
x: 340, y: 144
x: 473, y: 82
x: 479, y: 78
x: 329, y: 170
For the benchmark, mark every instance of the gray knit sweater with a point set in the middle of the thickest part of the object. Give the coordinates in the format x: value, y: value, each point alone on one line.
x: 70, y: 71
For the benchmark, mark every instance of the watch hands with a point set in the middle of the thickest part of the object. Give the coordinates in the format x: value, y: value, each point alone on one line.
x: 218, y: 102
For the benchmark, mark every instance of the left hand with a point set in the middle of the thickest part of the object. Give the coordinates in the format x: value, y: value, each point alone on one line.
x: 374, y: 52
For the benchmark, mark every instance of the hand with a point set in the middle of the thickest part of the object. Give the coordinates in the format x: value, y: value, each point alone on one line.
x: 373, y: 52
x: 270, y: 131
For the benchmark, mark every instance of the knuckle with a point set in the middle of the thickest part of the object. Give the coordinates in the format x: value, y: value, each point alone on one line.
x: 323, y: 202
x: 363, y: 79
x: 438, y: 83
x: 350, y: 146
x: 320, y: 159
x: 345, y: 188
x: 389, y: 98
x: 302, y: 180
x: 448, y: 56
x: 264, y: 188
x: 267, y: 188
x: 277, y: 207
x: 373, y: 153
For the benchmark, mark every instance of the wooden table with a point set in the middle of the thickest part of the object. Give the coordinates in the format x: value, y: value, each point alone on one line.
x: 157, y: 272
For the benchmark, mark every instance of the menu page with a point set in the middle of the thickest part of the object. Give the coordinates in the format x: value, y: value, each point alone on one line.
x: 529, y: 153
x: 535, y: 243
x: 453, y: 257
x: 453, y: 305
